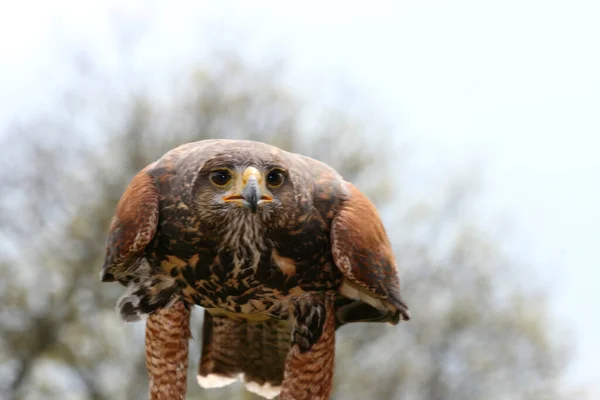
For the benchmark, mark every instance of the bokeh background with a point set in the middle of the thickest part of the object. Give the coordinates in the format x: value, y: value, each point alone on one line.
x: 472, y: 125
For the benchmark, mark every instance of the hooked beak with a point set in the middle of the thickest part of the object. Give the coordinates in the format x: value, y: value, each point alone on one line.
x: 251, y: 194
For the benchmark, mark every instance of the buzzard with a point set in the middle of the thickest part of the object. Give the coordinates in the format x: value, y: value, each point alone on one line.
x: 276, y: 247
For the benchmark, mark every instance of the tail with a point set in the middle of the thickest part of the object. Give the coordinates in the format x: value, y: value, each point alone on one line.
x: 256, y: 350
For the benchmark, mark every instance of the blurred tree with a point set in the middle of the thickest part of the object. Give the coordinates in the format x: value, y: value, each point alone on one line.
x: 476, y: 332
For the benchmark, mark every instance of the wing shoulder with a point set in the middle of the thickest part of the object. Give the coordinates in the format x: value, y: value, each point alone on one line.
x: 133, y: 226
x: 362, y: 251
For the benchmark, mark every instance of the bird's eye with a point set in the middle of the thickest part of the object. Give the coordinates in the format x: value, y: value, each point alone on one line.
x: 275, y: 178
x: 220, y: 177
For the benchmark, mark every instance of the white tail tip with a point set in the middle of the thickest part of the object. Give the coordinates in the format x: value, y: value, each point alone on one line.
x: 266, y: 390
x: 215, y: 381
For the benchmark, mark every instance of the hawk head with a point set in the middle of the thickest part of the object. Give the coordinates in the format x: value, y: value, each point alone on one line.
x: 247, y: 186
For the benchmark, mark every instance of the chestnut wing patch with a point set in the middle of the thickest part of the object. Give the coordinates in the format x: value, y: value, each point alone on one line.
x: 363, y: 253
x: 133, y: 226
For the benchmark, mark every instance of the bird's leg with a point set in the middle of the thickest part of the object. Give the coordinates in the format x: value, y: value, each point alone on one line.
x: 310, y: 362
x: 167, y: 335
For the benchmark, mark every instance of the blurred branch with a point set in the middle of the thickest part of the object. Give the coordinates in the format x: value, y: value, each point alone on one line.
x: 42, y: 334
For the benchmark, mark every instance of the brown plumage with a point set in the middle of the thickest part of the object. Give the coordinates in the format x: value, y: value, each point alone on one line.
x: 309, y: 365
x: 167, y: 334
x: 234, y: 346
x: 276, y: 247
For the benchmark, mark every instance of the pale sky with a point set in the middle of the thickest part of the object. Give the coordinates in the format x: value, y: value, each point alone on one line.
x: 515, y: 84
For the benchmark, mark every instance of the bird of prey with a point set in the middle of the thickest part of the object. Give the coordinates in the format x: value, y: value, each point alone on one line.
x: 276, y: 247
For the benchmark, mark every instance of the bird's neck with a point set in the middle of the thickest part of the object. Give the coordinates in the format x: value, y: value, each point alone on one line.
x: 243, y: 229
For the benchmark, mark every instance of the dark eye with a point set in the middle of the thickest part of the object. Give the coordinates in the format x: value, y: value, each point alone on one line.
x: 220, y: 177
x: 275, y: 178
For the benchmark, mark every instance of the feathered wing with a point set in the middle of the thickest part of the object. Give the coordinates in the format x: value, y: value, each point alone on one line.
x: 363, y: 253
x: 167, y: 337
x: 254, y: 349
x: 132, y: 229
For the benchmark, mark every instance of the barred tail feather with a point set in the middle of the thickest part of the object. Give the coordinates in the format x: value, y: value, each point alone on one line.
x: 254, y: 351
x: 222, y: 354
x: 267, y: 347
